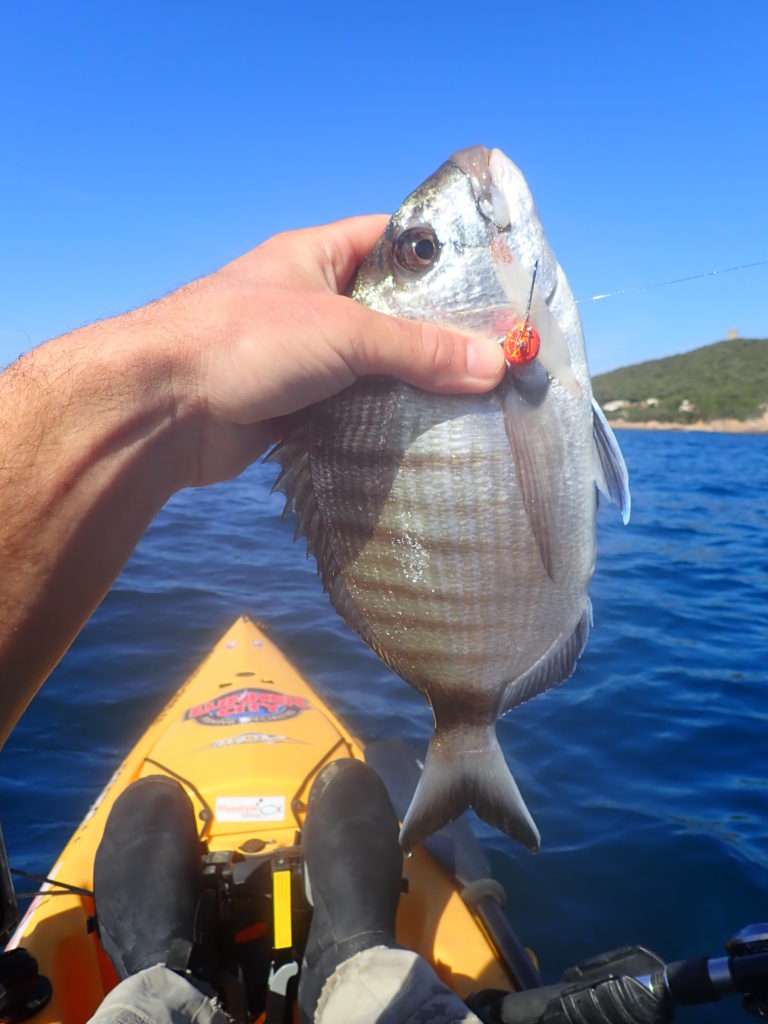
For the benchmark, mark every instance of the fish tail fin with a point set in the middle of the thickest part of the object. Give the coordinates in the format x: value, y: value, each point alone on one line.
x: 466, y: 768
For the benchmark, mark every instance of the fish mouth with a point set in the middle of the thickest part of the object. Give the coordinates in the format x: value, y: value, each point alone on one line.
x: 504, y: 200
x: 485, y: 170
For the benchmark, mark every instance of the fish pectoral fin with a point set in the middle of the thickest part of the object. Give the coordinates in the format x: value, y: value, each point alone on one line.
x: 531, y: 469
x: 466, y: 768
x: 553, y: 667
x: 611, y: 476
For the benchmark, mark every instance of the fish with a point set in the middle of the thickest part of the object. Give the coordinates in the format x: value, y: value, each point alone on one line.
x: 456, y: 533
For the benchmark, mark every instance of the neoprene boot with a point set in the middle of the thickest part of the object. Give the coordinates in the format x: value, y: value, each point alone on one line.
x: 354, y: 865
x: 147, y: 875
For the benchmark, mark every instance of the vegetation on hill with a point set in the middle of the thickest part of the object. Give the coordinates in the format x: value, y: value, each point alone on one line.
x: 726, y: 380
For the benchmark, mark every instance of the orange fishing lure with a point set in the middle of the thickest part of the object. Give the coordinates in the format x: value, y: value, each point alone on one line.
x: 521, y: 343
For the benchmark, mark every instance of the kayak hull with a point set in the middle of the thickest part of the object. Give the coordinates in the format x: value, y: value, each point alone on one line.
x: 245, y: 735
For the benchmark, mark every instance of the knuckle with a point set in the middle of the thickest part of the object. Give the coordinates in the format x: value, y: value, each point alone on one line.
x: 361, y: 352
x: 352, y: 341
x: 275, y: 241
x: 332, y: 262
x: 438, y: 351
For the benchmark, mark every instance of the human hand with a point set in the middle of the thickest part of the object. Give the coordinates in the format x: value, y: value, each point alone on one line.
x: 100, y: 426
x: 270, y: 333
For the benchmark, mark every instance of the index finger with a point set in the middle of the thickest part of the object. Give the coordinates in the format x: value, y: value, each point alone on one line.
x: 344, y: 244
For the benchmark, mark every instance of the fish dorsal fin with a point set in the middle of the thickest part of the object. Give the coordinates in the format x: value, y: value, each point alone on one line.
x: 553, y: 667
x: 294, y: 481
x: 611, y: 476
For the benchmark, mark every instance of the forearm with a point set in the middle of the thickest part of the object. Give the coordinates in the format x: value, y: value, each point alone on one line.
x: 100, y: 427
x: 90, y: 452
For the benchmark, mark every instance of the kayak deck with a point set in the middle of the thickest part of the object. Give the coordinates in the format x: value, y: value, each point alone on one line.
x: 245, y: 736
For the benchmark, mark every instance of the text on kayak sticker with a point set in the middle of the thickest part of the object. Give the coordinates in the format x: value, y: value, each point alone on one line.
x: 252, y: 737
x: 247, y: 705
x: 250, y: 808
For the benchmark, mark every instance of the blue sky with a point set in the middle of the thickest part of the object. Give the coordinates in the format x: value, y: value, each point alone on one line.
x: 144, y: 144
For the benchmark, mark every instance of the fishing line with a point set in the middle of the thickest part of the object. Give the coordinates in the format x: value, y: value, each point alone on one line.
x: 675, y: 280
x: 530, y: 293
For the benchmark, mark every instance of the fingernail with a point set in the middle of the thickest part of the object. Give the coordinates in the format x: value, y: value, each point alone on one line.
x: 484, y: 359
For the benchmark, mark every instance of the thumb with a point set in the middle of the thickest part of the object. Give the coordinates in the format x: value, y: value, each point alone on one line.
x: 427, y: 355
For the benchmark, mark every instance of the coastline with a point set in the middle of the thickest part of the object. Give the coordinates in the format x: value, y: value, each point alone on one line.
x: 724, y: 426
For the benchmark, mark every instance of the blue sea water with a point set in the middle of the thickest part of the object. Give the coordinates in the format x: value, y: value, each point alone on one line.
x: 647, y: 772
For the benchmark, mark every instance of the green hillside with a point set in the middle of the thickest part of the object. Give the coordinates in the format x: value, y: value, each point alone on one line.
x: 727, y: 379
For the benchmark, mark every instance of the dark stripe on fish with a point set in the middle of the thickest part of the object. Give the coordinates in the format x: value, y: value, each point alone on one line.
x: 374, y: 459
x: 430, y: 625
x: 406, y: 590
x: 384, y: 537
x: 356, y: 492
x: 437, y: 655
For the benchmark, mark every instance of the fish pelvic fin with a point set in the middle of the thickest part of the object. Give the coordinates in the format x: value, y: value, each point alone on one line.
x: 466, y: 768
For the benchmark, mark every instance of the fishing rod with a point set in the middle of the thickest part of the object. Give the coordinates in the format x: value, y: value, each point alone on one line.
x: 634, y: 986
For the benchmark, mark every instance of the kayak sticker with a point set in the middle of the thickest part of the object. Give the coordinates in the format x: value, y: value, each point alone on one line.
x: 247, y: 705
x: 253, y: 737
x: 250, y: 808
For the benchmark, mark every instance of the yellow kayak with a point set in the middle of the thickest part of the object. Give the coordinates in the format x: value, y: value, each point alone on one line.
x: 245, y: 735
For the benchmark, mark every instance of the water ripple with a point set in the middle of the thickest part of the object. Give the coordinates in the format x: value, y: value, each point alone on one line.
x: 647, y: 772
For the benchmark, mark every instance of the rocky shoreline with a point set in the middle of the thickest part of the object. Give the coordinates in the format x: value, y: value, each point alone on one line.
x: 725, y: 426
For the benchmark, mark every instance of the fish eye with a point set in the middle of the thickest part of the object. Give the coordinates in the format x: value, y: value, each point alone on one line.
x: 416, y: 249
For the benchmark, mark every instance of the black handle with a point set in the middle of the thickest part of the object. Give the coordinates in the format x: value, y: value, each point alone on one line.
x: 621, y: 999
x: 634, y: 986
x: 689, y: 982
x: 529, y: 1006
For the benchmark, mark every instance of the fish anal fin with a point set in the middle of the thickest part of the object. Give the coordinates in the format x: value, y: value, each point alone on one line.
x: 553, y: 667
x: 611, y: 476
x: 466, y: 768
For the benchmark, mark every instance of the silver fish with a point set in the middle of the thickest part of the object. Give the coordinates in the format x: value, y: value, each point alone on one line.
x: 456, y: 534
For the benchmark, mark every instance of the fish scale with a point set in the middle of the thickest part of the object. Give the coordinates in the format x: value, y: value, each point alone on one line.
x: 443, y: 547
x: 456, y: 534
